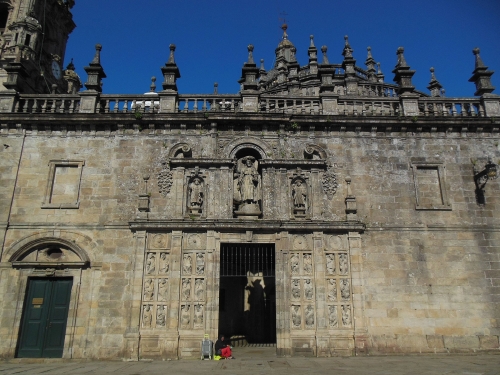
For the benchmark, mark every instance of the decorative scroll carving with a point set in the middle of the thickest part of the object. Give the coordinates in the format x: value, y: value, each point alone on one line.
x: 345, y: 289
x: 332, y: 290
x: 329, y: 182
x: 185, y: 316
x: 295, y: 288
x: 308, y: 264
x: 199, y: 289
x: 308, y: 289
x: 333, y: 316
x: 186, y: 289
x: 147, y: 316
x: 161, y: 316
x: 294, y: 263
x: 187, y: 266
x: 163, y: 290
x: 330, y: 264
x: 164, y: 263
x: 149, y: 290
x: 198, y: 315
x: 296, y: 316
x: 309, y: 316
x: 346, y: 315
x: 165, y: 180
x: 150, y: 263
x: 200, y: 263
x: 343, y: 264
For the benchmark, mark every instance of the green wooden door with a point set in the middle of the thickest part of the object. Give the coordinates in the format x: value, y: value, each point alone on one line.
x: 45, y: 314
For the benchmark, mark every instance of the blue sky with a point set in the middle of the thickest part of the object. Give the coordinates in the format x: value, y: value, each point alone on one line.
x: 212, y: 38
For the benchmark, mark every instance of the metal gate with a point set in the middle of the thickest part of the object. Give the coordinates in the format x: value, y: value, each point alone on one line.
x: 239, y: 259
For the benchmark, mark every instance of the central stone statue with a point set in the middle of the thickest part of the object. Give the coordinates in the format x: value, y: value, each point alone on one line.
x: 247, y: 187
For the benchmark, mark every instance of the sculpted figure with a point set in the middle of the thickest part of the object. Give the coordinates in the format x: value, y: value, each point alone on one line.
x: 185, y: 318
x: 332, y: 290
x: 150, y: 263
x: 308, y: 264
x: 295, y: 288
x: 309, y: 316
x: 186, y: 289
x: 198, y: 315
x: 160, y: 317
x: 187, y: 264
x: 344, y: 289
x: 346, y: 315
x: 200, y: 263
x: 343, y: 264
x: 296, y: 318
x: 149, y: 290
x: 164, y: 265
x: 163, y: 290
x: 299, y: 194
x: 332, y: 316
x: 308, y: 289
x: 199, y: 289
x: 196, y: 193
x: 294, y: 261
x: 147, y: 316
x: 330, y: 264
x: 248, y: 181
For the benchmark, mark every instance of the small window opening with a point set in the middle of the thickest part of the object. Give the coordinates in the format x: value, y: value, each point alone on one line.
x: 27, y: 40
x: 4, y: 15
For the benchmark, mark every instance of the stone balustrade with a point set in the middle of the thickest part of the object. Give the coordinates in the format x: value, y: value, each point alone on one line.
x: 438, y: 106
x: 50, y: 103
x: 205, y: 103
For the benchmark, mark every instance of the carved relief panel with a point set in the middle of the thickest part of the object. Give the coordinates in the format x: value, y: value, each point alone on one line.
x: 302, y: 294
x: 338, y: 283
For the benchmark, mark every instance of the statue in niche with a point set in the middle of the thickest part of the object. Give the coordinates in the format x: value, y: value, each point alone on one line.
x: 343, y: 264
x: 186, y: 289
x: 295, y: 288
x: 296, y: 318
x: 294, y: 261
x: 200, y: 263
x: 199, y: 289
x: 195, y: 195
x: 163, y: 290
x: 198, y: 315
x: 149, y: 290
x: 185, y: 316
x: 346, y: 315
x: 150, y: 263
x: 186, y: 264
x: 308, y: 264
x: 309, y: 316
x: 330, y: 264
x: 299, y: 195
x: 164, y: 265
x: 147, y: 316
x: 332, y: 290
x: 247, y: 187
x: 332, y: 316
x: 160, y: 317
x: 345, y: 289
x: 308, y: 289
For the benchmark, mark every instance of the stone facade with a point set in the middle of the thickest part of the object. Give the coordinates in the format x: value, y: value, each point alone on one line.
x: 379, y: 201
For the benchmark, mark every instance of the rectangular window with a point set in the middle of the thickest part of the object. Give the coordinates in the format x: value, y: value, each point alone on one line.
x: 430, y: 187
x: 63, y: 184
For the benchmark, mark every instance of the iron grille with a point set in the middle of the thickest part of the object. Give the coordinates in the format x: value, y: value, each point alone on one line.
x: 239, y: 259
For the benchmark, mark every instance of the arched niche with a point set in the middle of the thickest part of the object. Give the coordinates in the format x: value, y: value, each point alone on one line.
x: 314, y: 152
x: 180, y: 151
x: 49, y: 251
x: 248, y: 146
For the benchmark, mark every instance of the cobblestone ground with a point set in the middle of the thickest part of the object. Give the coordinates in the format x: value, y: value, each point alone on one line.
x: 263, y: 361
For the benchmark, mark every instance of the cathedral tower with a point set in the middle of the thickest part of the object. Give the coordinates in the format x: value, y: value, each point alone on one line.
x: 33, y: 41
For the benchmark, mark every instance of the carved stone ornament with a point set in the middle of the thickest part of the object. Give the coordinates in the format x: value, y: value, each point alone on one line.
x: 165, y: 180
x: 329, y: 182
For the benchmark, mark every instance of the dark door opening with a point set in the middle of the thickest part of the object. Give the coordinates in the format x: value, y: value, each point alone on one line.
x: 45, y: 314
x: 247, y: 298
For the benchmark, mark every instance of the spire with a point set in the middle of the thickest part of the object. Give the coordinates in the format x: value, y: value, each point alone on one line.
x: 403, y: 74
x: 370, y: 66
x: 434, y: 85
x: 347, y: 52
x: 326, y: 72
x: 380, y: 75
x: 262, y: 73
x: 349, y: 66
x: 313, y: 56
x: 95, y: 72
x: 170, y: 72
x: 249, y: 72
x: 71, y: 66
x: 481, y: 76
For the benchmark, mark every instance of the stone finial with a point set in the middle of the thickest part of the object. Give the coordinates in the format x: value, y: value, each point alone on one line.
x: 95, y: 72
x: 380, y: 75
x: 370, y: 66
x: 71, y: 66
x: 293, y: 57
x: 262, y: 64
x: 284, y: 27
x: 250, y: 54
x: 171, y: 58
x: 481, y: 76
x: 311, y: 43
x: 403, y: 74
x: 369, y: 49
x: 347, y: 52
x: 325, y: 57
x: 97, y: 56
x: 152, y: 87
x: 434, y: 85
x: 216, y: 90
x: 401, y: 58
